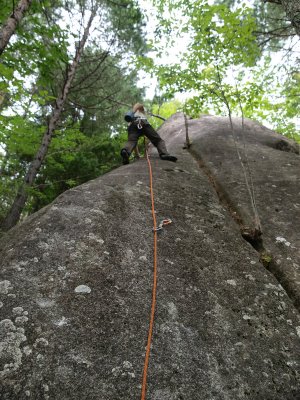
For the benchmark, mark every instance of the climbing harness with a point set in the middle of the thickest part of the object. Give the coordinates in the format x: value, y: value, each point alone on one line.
x: 163, y: 223
x: 131, y: 117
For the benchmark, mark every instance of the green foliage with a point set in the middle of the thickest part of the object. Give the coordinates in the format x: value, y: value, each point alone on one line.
x: 212, y: 50
x: 165, y: 110
x: 266, y: 259
x: 20, y: 139
x: 32, y: 71
x: 291, y: 92
x: 126, y: 20
x: 100, y: 93
x: 82, y: 159
x: 223, y: 66
x: 6, y: 10
x: 273, y: 30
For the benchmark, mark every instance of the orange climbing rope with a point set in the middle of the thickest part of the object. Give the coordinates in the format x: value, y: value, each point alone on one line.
x: 151, y: 323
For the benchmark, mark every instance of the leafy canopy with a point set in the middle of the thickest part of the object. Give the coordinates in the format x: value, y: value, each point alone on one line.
x: 223, y: 65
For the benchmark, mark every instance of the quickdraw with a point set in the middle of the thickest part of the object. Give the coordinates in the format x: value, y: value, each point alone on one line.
x: 163, y: 223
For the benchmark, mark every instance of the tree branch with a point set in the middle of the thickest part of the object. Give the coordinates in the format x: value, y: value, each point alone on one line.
x: 10, y: 25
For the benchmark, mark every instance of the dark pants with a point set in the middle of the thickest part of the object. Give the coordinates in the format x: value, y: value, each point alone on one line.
x: 134, y: 133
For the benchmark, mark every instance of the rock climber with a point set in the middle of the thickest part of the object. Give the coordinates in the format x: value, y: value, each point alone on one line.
x: 138, y: 125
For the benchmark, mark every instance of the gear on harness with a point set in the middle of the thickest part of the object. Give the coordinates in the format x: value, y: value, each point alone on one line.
x: 163, y: 223
x: 137, y: 118
x: 140, y: 122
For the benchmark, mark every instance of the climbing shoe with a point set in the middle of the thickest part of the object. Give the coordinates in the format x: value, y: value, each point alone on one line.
x: 167, y: 157
x: 125, y: 156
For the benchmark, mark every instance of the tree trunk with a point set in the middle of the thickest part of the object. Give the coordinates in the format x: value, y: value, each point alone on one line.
x: 10, y: 25
x: 18, y: 205
x: 292, y: 10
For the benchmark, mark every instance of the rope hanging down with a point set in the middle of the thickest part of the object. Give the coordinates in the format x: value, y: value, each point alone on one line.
x: 248, y: 181
x: 247, y: 173
x: 152, y: 313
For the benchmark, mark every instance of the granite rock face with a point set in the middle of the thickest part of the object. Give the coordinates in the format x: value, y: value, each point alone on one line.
x: 76, y: 278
